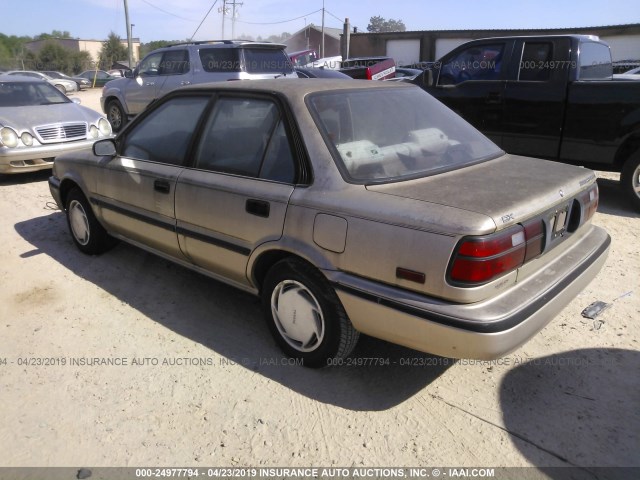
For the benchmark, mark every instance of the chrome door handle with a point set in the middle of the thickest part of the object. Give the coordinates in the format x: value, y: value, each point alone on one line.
x: 185, y: 82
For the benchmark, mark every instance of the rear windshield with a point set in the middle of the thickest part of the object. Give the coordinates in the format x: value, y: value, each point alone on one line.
x: 383, y: 135
x: 28, y: 94
x: 266, y: 60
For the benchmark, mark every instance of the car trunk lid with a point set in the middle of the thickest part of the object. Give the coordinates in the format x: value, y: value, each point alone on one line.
x: 509, y: 189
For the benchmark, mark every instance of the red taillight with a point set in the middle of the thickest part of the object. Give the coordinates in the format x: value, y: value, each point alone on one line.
x: 482, y: 259
x: 589, y: 202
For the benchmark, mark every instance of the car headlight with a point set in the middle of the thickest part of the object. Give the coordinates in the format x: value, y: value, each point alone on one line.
x: 104, y: 126
x: 27, y: 139
x: 93, y: 131
x: 8, y: 137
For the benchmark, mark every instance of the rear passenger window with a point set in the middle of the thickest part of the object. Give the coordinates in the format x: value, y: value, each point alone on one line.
x: 534, y: 65
x: 246, y: 137
x: 595, y: 61
x: 220, y: 59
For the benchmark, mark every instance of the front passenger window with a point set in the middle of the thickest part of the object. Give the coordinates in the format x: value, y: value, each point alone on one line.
x: 164, y: 135
x: 478, y: 62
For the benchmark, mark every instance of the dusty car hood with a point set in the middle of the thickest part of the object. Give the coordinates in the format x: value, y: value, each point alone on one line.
x: 24, y: 118
x: 508, y: 189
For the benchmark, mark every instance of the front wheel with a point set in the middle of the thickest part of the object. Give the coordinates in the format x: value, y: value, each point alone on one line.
x: 87, y: 233
x: 116, y: 115
x: 305, y: 315
x: 630, y: 179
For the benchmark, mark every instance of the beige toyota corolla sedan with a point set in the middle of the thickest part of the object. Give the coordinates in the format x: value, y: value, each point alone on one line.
x: 349, y: 207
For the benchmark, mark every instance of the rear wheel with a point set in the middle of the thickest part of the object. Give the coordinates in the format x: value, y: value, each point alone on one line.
x: 115, y: 115
x: 87, y: 233
x: 305, y: 315
x: 630, y: 179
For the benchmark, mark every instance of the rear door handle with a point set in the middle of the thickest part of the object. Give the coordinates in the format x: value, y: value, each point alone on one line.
x: 162, y: 186
x: 259, y: 208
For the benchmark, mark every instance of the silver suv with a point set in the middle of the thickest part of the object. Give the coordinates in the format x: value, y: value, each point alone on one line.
x: 182, y: 64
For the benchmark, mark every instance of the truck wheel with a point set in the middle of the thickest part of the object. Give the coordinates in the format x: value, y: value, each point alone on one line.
x: 87, y: 233
x: 305, y: 315
x: 630, y: 179
x: 116, y: 115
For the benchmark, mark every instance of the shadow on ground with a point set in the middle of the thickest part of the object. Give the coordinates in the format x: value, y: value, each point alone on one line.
x: 613, y: 201
x: 230, y: 322
x: 22, y: 178
x: 582, y: 407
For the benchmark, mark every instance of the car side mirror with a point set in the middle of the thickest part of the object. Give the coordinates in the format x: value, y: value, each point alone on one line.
x: 129, y: 73
x: 104, y: 148
x: 76, y: 100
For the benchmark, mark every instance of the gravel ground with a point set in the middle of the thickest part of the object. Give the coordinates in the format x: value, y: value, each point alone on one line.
x: 195, y: 379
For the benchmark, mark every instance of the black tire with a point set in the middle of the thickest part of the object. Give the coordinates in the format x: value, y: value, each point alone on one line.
x: 116, y: 116
x: 87, y: 233
x: 630, y: 179
x: 327, y: 331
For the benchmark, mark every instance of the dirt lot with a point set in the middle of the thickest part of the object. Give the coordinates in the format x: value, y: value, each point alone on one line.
x: 197, y: 379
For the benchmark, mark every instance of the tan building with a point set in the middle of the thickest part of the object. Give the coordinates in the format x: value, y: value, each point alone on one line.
x: 310, y: 37
x: 93, y: 47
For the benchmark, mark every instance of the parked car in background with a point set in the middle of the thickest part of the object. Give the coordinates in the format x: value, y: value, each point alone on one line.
x: 369, y: 68
x: 97, y: 78
x: 549, y: 96
x: 117, y: 72
x: 633, y: 74
x: 166, y: 69
x: 349, y: 207
x: 304, y: 72
x: 81, y: 82
x: 331, y: 63
x: 303, y: 57
x: 62, y: 84
x: 38, y: 122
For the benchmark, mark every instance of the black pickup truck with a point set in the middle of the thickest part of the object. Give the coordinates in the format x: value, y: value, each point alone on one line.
x: 552, y: 97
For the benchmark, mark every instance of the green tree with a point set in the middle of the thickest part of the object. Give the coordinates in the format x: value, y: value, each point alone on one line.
x: 379, y: 24
x: 53, y: 56
x: 112, y: 51
x: 53, y: 34
x: 149, y: 47
x: 12, y: 51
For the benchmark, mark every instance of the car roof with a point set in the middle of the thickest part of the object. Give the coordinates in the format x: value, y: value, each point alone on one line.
x: 226, y: 44
x: 19, y: 78
x: 296, y: 87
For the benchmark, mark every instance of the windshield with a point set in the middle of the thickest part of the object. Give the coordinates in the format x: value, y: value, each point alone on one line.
x: 382, y: 135
x: 26, y: 94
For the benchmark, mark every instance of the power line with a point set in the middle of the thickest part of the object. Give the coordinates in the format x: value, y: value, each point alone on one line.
x: 283, y: 21
x: 205, y: 17
x: 168, y: 13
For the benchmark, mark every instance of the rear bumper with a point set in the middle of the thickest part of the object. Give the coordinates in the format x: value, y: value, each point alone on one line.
x: 54, y: 188
x: 482, y: 330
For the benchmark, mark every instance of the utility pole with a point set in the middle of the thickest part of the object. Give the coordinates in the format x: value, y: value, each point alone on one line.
x: 233, y: 17
x: 346, y: 39
x: 223, y: 9
x: 129, y: 45
x: 322, y: 45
